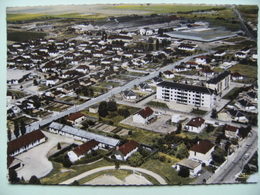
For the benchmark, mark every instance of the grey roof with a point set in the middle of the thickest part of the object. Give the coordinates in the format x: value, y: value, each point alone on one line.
x: 189, y: 163
x: 56, y: 126
x: 129, y: 93
x: 186, y: 87
x: 88, y: 135
x: 219, y: 77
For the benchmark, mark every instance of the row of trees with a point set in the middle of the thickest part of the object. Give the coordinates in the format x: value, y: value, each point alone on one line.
x: 19, y: 129
x: 14, y: 179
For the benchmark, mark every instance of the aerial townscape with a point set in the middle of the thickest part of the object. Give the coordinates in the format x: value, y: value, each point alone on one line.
x: 132, y: 94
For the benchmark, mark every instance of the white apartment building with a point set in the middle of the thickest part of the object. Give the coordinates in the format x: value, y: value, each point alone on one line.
x: 219, y: 82
x: 186, y: 94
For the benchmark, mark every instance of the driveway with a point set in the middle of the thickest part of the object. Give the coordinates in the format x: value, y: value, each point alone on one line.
x: 35, y: 160
x: 124, y: 167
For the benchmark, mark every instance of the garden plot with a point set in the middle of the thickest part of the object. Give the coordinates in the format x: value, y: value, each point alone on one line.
x: 106, y: 128
x: 57, y: 107
x: 123, y: 132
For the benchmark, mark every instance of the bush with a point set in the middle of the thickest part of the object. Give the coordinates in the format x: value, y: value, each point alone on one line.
x: 136, y: 159
x: 184, y: 172
x: 34, y: 180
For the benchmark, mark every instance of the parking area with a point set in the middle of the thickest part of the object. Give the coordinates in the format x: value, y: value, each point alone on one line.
x: 159, y: 125
x: 35, y: 160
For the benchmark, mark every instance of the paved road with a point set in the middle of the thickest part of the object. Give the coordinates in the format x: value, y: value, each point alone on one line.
x: 242, y: 22
x: 116, y: 90
x: 236, y: 162
x: 124, y: 167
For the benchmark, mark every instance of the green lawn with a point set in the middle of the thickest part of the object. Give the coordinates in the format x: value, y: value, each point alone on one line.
x: 165, y: 170
x: 249, y: 71
x: 233, y: 93
x: 157, y: 104
x: 57, y: 176
x: 165, y: 8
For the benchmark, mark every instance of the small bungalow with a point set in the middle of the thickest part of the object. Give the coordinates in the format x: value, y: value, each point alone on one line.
x: 230, y: 131
x: 168, y: 74
x: 201, y: 152
x: 145, y: 87
x: 144, y: 116
x: 195, y: 125
x: 76, y: 118
x: 80, y: 151
x: 129, y: 95
x: 124, y: 151
x: 194, y: 167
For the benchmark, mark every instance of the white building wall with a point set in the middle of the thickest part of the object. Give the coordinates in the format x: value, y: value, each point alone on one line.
x: 137, y: 118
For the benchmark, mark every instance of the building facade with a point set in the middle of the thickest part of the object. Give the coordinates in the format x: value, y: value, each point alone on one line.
x: 186, y: 94
x: 220, y: 82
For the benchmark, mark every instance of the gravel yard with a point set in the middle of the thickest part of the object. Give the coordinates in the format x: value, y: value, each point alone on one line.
x: 35, y: 160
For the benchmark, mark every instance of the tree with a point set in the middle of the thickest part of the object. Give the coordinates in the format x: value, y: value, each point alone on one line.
x: 34, y: 180
x: 117, y: 165
x: 214, y: 113
x: 35, y: 82
x: 22, y: 127
x: 66, y: 162
x: 13, y: 178
x: 102, y: 109
x: 58, y: 146
x: 9, y: 135
x: 244, y: 131
x: 123, y: 112
x: 182, y: 151
x: 184, y: 172
x: 111, y: 106
x: 75, y: 183
x: 136, y: 159
x: 179, y: 128
x: 16, y: 129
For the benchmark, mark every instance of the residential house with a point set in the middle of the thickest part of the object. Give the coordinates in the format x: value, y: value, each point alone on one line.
x: 202, y: 60
x: 195, y: 125
x: 82, y: 68
x: 76, y: 118
x: 240, y: 55
x: 168, y: 74
x: 144, y: 116
x: 236, y: 76
x: 51, y: 81
x: 180, y: 68
x: 129, y: 95
x: 244, y: 104
x: 187, y: 47
x: 80, y: 151
x: 220, y: 53
x: 157, y: 80
x: 25, y: 142
x: 124, y: 151
x: 201, y: 152
x: 230, y: 131
x: 145, y: 87
x: 194, y: 167
x: 237, y: 115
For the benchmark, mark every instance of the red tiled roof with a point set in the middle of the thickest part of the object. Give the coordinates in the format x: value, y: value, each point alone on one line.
x: 146, y: 112
x: 24, y: 140
x: 196, y: 122
x: 230, y: 128
x: 128, y: 147
x: 202, y: 146
x: 75, y: 116
x: 82, y: 149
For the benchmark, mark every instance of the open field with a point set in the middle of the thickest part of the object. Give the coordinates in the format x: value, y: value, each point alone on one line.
x: 249, y: 71
x: 166, y: 8
x: 24, y: 36
x: 165, y: 169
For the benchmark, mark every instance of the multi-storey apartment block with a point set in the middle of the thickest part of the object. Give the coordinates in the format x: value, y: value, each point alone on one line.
x: 186, y: 94
x: 219, y: 82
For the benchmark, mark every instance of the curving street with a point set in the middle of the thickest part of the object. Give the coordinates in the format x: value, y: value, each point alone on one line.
x: 124, y: 167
